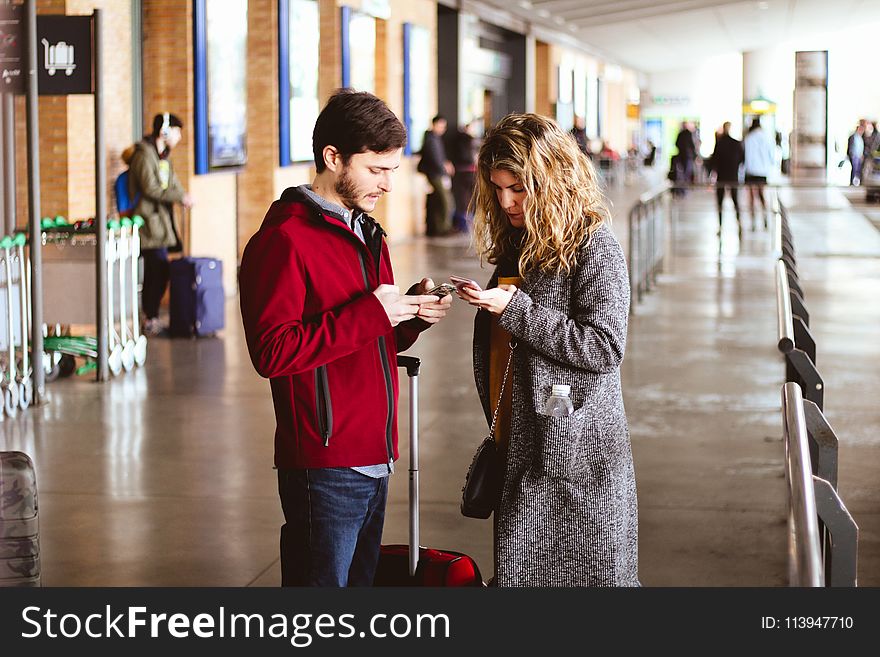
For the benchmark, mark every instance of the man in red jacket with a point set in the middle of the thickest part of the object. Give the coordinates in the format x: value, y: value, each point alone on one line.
x: 324, y: 322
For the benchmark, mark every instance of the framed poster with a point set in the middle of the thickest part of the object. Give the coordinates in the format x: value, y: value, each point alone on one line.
x: 220, y: 30
x: 298, y: 65
x: 416, y: 77
x: 358, y: 50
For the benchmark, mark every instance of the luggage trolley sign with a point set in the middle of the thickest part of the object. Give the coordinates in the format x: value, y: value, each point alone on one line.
x: 64, y: 55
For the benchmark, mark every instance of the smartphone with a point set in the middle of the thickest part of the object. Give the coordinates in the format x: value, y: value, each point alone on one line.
x: 461, y: 282
x: 442, y: 290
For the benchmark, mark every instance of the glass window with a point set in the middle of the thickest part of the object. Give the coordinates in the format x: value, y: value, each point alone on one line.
x: 303, y: 56
x: 226, y: 55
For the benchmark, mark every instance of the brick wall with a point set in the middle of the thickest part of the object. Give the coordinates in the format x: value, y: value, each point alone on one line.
x: 256, y: 189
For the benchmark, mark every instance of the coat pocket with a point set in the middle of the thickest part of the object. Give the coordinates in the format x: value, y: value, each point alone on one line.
x: 323, y: 405
x: 559, y: 448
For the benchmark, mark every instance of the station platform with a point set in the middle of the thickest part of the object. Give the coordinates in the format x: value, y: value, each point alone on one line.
x: 164, y: 476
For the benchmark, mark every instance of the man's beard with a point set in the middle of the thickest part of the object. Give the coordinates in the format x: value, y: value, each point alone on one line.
x: 347, y: 191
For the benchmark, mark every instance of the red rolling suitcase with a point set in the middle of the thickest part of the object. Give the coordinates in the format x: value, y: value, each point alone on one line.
x: 398, y: 564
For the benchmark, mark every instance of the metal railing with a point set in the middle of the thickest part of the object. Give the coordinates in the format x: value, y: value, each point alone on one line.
x: 794, y: 338
x: 804, y: 545
x: 647, y: 241
x: 823, y: 537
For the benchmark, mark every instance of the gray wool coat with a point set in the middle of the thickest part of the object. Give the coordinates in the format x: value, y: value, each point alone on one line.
x: 568, y: 514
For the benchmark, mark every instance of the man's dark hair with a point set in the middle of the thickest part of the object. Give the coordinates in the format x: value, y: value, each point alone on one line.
x: 355, y: 122
x: 437, y: 118
x: 159, y: 122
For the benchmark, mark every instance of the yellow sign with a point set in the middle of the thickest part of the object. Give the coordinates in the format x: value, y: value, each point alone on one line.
x: 632, y: 110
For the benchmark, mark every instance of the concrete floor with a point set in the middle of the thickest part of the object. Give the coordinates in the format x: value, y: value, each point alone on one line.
x: 164, y: 476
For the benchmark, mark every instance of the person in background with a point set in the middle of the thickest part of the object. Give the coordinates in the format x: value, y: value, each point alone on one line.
x: 438, y: 170
x: 855, y: 151
x: 758, y: 165
x: 554, y: 312
x: 652, y: 154
x: 726, y: 160
x: 579, y: 133
x: 464, y: 158
x: 687, y: 153
x: 608, y: 153
x: 872, y: 145
x: 324, y: 322
x: 152, y: 179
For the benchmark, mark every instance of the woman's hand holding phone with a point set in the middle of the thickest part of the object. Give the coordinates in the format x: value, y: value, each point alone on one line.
x: 494, y: 301
x: 461, y: 282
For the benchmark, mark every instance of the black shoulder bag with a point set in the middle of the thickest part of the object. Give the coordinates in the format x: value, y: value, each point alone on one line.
x: 482, y: 484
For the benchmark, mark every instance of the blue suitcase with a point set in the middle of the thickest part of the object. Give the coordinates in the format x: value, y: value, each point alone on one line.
x: 197, y: 298
x: 19, y: 521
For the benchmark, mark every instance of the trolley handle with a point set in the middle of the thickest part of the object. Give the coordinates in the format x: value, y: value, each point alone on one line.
x: 411, y: 363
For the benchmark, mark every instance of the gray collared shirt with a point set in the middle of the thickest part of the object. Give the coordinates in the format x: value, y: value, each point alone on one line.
x: 355, y: 221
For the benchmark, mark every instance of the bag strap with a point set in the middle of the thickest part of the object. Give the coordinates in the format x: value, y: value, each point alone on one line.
x: 512, y: 345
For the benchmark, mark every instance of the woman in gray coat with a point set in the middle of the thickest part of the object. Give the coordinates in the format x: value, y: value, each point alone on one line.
x: 554, y: 312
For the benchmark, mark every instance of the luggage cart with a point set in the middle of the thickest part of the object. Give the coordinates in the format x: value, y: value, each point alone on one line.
x: 127, y: 347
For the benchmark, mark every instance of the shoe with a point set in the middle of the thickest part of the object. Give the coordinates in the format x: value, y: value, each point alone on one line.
x: 152, y: 328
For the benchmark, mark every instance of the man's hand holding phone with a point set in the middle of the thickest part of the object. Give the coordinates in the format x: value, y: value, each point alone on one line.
x: 434, y: 311
x: 403, y: 307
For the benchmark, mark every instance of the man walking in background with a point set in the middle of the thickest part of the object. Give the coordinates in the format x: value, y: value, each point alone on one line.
x: 726, y: 159
x: 438, y: 170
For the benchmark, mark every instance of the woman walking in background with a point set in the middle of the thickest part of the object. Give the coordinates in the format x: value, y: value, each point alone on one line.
x: 554, y: 315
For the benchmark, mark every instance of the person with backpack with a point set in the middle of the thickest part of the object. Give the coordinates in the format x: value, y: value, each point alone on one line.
x: 152, y: 180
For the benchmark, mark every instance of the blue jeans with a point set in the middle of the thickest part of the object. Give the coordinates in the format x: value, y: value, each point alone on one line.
x: 333, y: 526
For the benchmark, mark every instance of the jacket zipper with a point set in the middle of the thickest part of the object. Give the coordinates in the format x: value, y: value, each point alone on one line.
x: 386, y: 370
x: 323, y: 405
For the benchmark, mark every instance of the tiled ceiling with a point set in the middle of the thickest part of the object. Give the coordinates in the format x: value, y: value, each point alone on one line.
x: 659, y: 35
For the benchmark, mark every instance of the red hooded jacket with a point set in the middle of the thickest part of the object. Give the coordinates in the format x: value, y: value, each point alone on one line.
x: 324, y: 341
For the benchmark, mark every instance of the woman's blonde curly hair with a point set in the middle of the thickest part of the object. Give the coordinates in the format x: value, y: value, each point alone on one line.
x: 565, y: 204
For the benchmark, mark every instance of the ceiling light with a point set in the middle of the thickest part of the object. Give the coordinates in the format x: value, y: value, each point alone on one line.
x: 559, y: 20
x: 525, y: 4
x: 543, y: 13
x: 763, y: 5
x: 573, y: 28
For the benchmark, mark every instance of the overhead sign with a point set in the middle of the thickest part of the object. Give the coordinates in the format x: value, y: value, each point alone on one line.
x: 11, y: 49
x: 64, y: 55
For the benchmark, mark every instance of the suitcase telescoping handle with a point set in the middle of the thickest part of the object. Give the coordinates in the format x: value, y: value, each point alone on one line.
x: 412, y: 364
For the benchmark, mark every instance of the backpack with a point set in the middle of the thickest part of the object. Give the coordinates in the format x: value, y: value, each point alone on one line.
x: 124, y: 204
